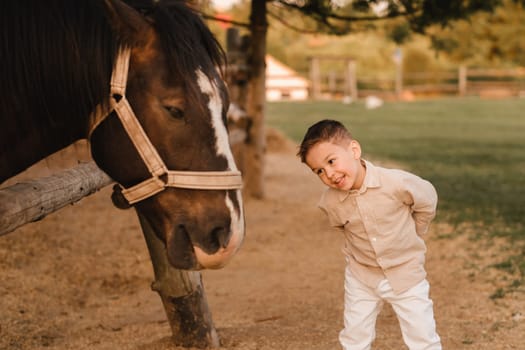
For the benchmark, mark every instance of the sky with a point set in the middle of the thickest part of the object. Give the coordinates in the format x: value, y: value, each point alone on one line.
x: 223, y: 4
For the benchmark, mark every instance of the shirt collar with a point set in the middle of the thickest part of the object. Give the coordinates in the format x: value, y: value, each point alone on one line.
x: 371, y: 180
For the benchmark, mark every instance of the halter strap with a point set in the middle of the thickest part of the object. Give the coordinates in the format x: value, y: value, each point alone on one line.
x: 161, y: 176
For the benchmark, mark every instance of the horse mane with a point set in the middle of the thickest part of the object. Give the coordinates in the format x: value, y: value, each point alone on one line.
x: 184, y: 35
x: 186, y: 40
x: 57, y: 61
x: 58, y: 55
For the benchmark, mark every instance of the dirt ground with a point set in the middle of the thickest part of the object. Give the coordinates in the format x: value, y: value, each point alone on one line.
x: 80, y: 279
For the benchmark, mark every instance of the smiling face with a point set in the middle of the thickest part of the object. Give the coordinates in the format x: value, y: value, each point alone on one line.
x: 337, y: 165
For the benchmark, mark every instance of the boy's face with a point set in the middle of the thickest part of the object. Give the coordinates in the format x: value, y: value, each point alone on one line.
x: 338, y: 166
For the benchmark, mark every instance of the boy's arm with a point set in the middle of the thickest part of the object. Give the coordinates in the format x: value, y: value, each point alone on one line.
x: 330, y: 218
x: 328, y: 209
x: 422, y: 197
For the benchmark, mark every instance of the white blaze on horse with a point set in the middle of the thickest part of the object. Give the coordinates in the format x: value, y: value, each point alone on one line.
x: 139, y: 79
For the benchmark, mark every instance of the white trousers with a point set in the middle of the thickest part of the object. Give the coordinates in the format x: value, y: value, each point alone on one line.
x: 413, y: 308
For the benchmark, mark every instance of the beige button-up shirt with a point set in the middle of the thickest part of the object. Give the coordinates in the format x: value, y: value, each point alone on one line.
x: 383, y: 223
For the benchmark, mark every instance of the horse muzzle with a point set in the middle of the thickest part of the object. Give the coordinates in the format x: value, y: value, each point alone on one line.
x: 222, y: 256
x: 189, y: 254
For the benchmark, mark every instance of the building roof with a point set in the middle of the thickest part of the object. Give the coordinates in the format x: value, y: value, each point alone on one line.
x: 279, y: 75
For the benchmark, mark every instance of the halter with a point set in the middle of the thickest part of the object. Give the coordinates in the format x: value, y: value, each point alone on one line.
x: 161, y: 177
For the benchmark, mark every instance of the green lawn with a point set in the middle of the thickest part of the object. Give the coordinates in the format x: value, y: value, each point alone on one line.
x: 472, y: 150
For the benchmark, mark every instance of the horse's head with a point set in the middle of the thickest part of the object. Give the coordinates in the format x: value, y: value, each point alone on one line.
x: 180, y: 101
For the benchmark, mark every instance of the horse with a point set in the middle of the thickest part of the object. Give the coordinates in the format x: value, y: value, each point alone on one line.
x: 143, y: 82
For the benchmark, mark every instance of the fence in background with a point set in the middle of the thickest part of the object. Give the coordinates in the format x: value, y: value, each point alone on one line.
x: 462, y: 82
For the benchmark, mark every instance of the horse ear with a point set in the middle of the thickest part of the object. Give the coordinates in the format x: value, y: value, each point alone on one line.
x: 126, y: 21
x: 113, y: 14
x: 118, y: 198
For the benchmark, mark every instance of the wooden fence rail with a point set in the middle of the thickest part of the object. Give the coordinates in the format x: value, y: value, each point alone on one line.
x: 463, y: 81
x: 181, y: 291
x: 32, y: 200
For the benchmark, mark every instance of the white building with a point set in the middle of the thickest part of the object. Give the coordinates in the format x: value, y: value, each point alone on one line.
x: 283, y: 83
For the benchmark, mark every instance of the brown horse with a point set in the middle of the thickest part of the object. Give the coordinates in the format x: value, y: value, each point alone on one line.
x: 141, y: 80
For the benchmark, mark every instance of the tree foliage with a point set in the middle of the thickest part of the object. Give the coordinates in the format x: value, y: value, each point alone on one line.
x: 494, y: 38
x: 340, y: 17
x: 475, y: 32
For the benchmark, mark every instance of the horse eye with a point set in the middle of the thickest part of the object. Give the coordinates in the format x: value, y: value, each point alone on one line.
x: 175, y: 112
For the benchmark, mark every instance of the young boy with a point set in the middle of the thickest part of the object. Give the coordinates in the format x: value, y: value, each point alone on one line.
x: 383, y: 213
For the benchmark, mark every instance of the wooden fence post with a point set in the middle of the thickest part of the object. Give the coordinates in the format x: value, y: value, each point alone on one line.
x: 462, y: 80
x: 239, y: 122
x: 181, y: 291
x: 351, y: 80
x: 332, y: 83
x: 182, y: 295
x: 398, y: 81
x: 315, y: 78
x: 237, y: 74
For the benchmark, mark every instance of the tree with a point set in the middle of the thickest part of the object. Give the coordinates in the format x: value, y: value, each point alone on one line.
x: 255, y: 106
x: 337, y: 17
x: 486, y: 38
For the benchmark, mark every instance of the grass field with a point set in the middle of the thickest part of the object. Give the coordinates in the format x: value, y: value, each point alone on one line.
x: 472, y: 150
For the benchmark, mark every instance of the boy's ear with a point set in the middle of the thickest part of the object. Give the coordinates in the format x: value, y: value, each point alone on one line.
x: 355, y: 148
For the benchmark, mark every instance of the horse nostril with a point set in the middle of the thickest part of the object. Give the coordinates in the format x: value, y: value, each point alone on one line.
x: 221, y: 236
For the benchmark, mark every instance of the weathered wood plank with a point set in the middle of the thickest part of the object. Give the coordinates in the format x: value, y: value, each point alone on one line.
x: 32, y: 200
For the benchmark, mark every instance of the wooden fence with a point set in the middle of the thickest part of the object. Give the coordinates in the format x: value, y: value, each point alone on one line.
x: 463, y: 82
x: 24, y: 199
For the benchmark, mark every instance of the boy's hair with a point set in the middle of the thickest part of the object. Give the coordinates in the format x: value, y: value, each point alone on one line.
x: 326, y: 130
